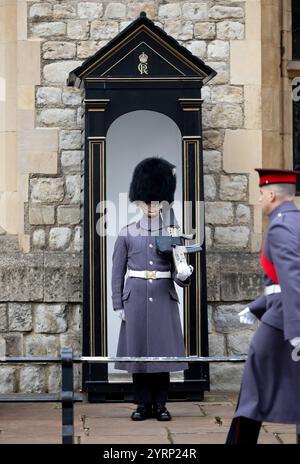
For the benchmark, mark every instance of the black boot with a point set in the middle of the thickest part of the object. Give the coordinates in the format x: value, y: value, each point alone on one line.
x: 142, y: 412
x: 161, y: 412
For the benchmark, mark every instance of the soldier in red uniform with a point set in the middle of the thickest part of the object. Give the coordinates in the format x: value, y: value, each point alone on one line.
x: 270, y: 385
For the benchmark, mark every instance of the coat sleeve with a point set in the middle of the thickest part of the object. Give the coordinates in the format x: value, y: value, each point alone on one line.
x: 258, y: 307
x: 181, y: 283
x: 119, y: 268
x: 284, y: 247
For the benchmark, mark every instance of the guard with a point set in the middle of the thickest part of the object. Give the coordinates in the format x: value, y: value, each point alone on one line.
x: 271, y: 380
x: 148, y: 303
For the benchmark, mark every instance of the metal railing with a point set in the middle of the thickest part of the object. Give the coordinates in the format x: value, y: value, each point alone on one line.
x: 67, y: 397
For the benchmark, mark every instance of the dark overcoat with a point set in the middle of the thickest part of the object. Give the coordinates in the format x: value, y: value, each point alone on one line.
x: 152, y: 322
x: 270, y: 389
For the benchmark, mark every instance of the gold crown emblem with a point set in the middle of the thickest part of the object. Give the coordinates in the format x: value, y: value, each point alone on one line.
x: 143, y: 57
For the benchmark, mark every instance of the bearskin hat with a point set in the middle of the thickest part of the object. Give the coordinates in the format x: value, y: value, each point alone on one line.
x: 153, y: 179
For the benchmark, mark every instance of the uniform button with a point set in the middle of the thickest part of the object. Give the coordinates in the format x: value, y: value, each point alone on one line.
x: 150, y: 299
x: 150, y: 262
x: 150, y: 280
x: 151, y: 246
x: 279, y: 214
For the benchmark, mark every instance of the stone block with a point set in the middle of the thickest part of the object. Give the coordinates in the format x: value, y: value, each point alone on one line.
x: 50, y: 318
x: 54, y: 379
x: 88, y: 48
x: 205, y: 31
x: 210, y: 319
x: 197, y: 48
x: 21, y: 277
x: 212, y: 139
x: 226, y: 377
x: 78, y: 240
x: 47, y: 189
x: 57, y: 73
x: 63, y: 277
x: 71, y: 161
x: 227, y: 94
x: 210, y: 189
x: 222, y: 115
x: 233, y: 188
x: 73, y: 188
x: 3, y: 318
x: 208, y: 237
x: 54, y: 50
x: 223, y: 72
x: 221, y: 12
x: 243, y: 214
x: 180, y: 30
x: 8, y: 383
x: 218, y: 50
x: 19, y: 317
x: 41, y: 215
x: 57, y: 117
x: 104, y: 29
x: 32, y: 379
x: 41, y: 345
x: 68, y: 214
x: 212, y: 161
x: 115, y: 10
x: 216, y: 345
x: 226, y: 318
x: 40, y: 10
x: 195, y: 10
x: 233, y: 237
x: 39, y: 238
x: 59, y: 238
x: 134, y: 9
x: 53, y: 29
x: 78, y: 29
x: 75, y: 317
x: 70, y: 140
x: 169, y: 11
x: 71, y: 97
x: 213, y: 277
x: 90, y: 10
x: 64, y: 11
x: 239, y: 285
x: 2, y: 346
x: 72, y: 340
x: 13, y: 344
x: 48, y: 96
x: 238, y: 343
x: 230, y: 30
x: 218, y: 212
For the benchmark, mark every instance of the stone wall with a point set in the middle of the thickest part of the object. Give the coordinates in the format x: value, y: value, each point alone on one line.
x: 40, y: 307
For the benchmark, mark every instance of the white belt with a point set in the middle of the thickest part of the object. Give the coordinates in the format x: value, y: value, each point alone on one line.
x: 270, y: 289
x: 149, y: 274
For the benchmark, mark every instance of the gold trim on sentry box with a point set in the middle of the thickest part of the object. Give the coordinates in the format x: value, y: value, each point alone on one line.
x: 154, y: 37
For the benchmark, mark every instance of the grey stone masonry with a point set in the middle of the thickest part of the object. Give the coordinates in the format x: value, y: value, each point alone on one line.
x: 41, y: 290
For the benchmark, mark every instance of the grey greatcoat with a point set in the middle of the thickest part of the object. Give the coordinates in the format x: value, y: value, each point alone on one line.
x: 270, y: 388
x: 152, y: 322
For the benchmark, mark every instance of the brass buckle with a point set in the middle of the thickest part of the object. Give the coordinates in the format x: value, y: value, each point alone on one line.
x: 151, y: 274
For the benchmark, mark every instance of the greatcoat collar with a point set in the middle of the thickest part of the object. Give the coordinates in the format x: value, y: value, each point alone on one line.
x: 286, y: 206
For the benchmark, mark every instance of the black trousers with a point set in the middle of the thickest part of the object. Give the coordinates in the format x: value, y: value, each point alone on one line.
x: 151, y: 387
x: 243, y: 431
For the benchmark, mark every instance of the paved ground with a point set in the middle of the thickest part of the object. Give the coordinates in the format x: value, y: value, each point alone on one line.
x: 109, y: 423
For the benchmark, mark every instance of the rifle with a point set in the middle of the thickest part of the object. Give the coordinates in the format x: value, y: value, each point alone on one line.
x: 171, y: 244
